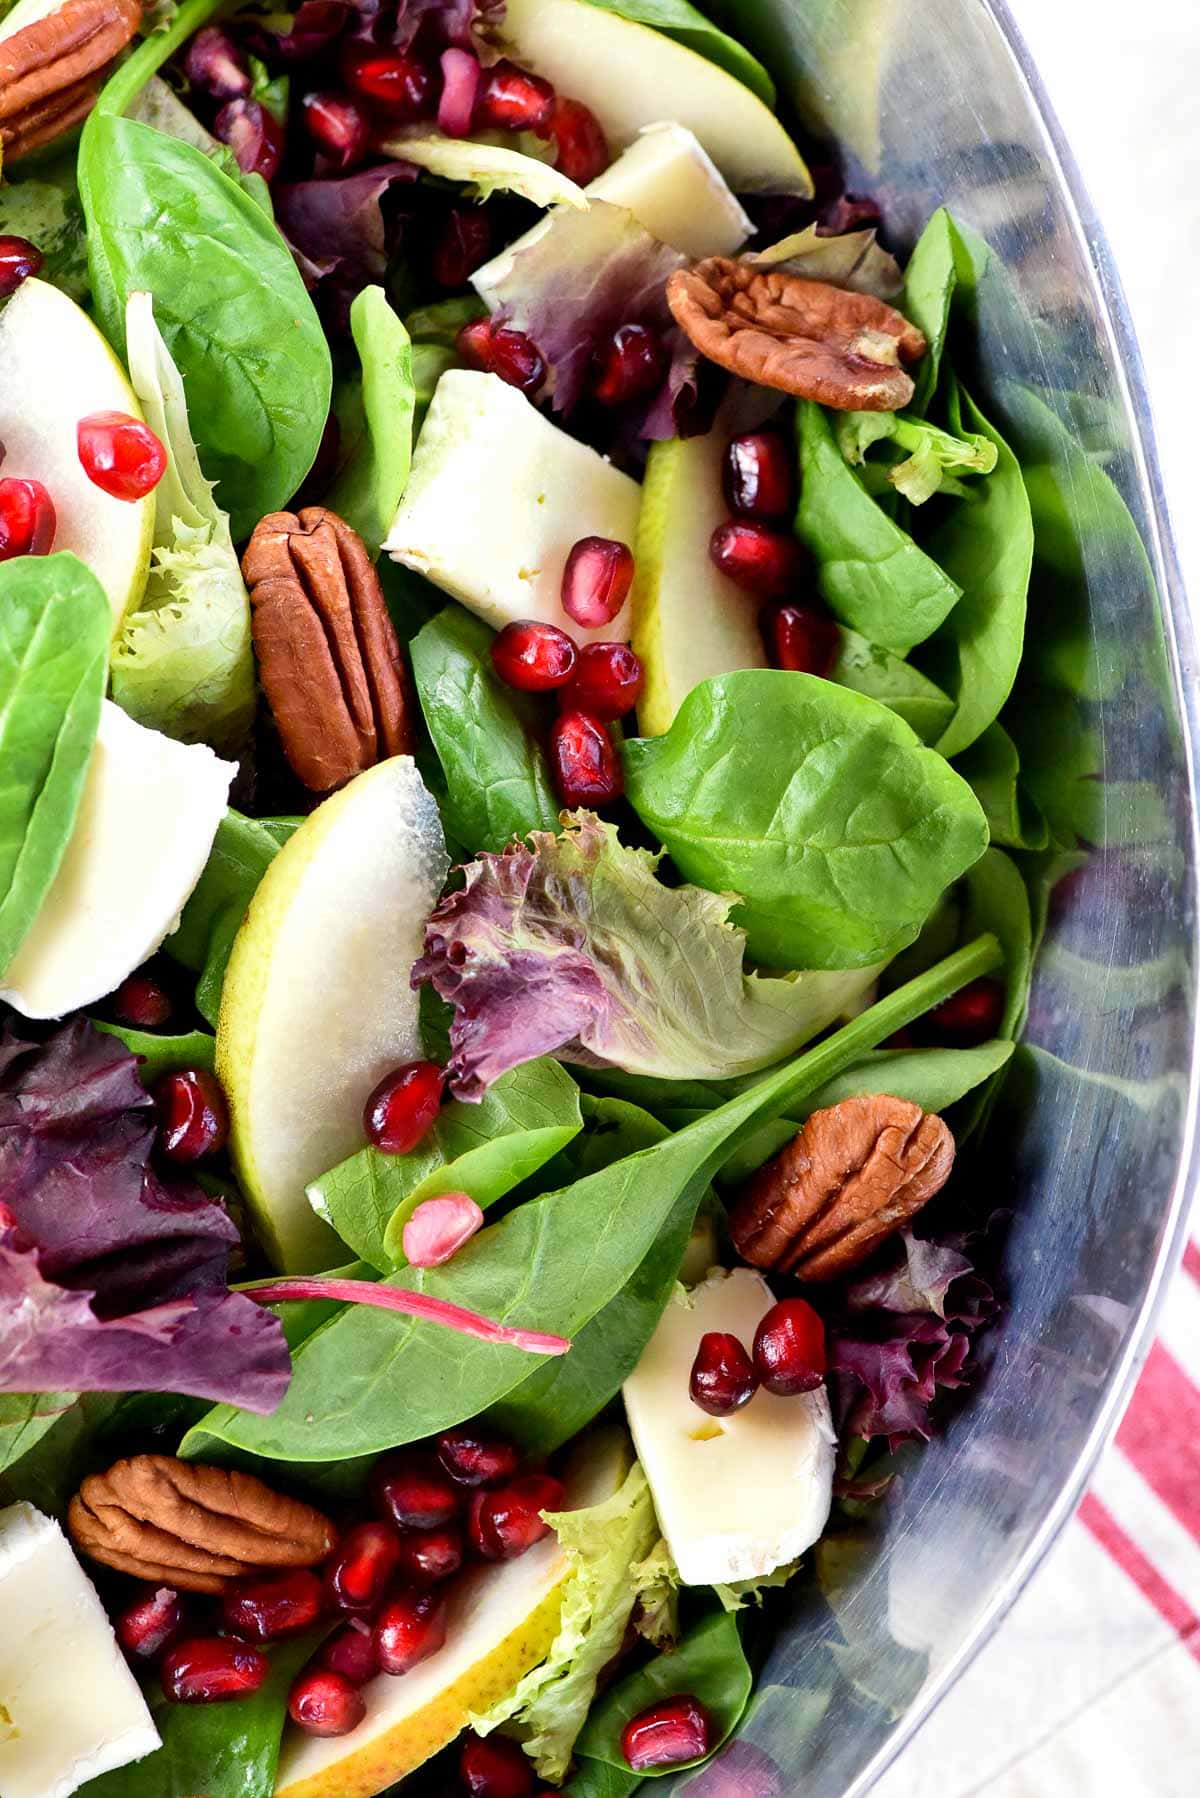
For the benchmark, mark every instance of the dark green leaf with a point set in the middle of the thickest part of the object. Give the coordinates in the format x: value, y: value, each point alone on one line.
x: 708, y: 1664
x: 242, y: 851
x: 25, y: 1417
x: 677, y: 19
x: 997, y: 900
x: 993, y: 769
x: 947, y: 261
x: 375, y: 470
x: 55, y: 623
x: 158, y: 1054
x: 43, y: 206
x: 865, y: 668
x: 818, y: 805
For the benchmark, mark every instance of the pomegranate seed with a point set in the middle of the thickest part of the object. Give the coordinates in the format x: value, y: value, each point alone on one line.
x: 439, y: 1227
x: 324, y: 1703
x: 723, y: 1377
x: 760, y: 479
x: 587, y: 769
x: 970, y: 1016
x: 756, y: 558
x: 120, y: 454
x: 254, y: 135
x: 580, y: 142
x: 28, y: 520
x: 350, y: 1651
x: 280, y: 1604
x: 339, y: 125
x: 402, y: 82
x: 141, y: 1003
x: 511, y: 99
x: 630, y: 366
x: 460, y: 86
x: 410, y: 1627
x: 193, y: 1118
x: 18, y: 260
x: 361, y: 1569
x: 494, y: 1767
x: 608, y: 680
x: 151, y: 1623
x: 496, y: 350
x: 596, y: 581
x: 210, y: 1669
x: 427, y: 1556
x: 666, y: 1735
x: 404, y: 1107
x: 802, y: 638
x: 464, y: 245
x: 314, y: 26
x: 533, y: 657
x: 216, y: 65
x: 414, y: 1491
x: 472, y: 1458
x: 506, y: 1522
x: 789, y: 1348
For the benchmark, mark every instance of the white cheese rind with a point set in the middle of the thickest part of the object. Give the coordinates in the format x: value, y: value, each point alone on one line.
x: 498, y: 497
x: 70, y: 1708
x: 736, y: 1496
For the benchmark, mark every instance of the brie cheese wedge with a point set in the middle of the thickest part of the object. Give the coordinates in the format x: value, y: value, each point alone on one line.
x: 70, y: 1708
x: 737, y: 1497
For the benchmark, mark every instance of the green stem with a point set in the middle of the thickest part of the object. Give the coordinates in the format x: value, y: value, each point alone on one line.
x: 127, y: 82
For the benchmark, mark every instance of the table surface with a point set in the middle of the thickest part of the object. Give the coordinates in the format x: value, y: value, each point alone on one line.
x: 1091, y: 1686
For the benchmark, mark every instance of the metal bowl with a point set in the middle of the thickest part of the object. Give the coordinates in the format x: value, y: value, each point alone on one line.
x: 1092, y: 1146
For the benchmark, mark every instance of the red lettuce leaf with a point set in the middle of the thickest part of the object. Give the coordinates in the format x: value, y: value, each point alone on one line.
x: 338, y: 225
x: 110, y: 1280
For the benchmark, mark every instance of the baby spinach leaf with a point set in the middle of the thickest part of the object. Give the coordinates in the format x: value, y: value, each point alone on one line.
x: 992, y: 768
x: 985, y: 543
x: 817, y: 805
x: 872, y: 574
x: 25, y: 1418
x: 947, y: 260
x: 997, y: 901
x: 865, y: 668
x: 376, y: 418
x: 242, y: 851
x: 159, y: 1054
x: 229, y: 300
x: 597, y: 1779
x: 497, y: 782
x: 707, y: 1663
x: 527, y: 1116
x: 368, y: 1381
x: 679, y: 20
x: 55, y: 623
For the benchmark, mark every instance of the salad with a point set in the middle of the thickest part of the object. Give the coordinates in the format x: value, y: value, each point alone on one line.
x: 514, y: 890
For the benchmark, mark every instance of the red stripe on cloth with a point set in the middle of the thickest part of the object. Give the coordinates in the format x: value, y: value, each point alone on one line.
x: 1175, y: 1610
x: 1160, y: 1433
x: 1191, y: 1260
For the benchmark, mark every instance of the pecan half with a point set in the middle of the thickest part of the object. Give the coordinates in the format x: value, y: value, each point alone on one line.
x: 49, y: 70
x: 852, y: 1176
x: 190, y: 1526
x: 805, y: 337
x: 330, y: 665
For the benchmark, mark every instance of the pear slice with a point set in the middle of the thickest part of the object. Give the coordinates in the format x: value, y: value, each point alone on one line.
x: 56, y: 368
x: 630, y: 76
x: 316, y: 1006
x: 501, y: 1622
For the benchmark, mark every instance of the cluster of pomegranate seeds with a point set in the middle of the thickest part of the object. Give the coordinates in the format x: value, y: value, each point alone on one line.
x: 18, y: 260
x: 584, y: 761
x: 723, y: 1377
x: 269, y: 1606
x: 511, y: 99
x: 325, y: 1703
x: 789, y: 1349
x: 141, y: 1003
x: 193, y: 1118
x: 668, y: 1734
x: 596, y: 581
x: 496, y: 350
x: 439, y: 1227
x: 404, y: 1107
x: 254, y: 135
x: 150, y: 1622
x: 532, y: 657
x: 759, y: 476
x: 505, y: 1522
x: 464, y: 244
x: 757, y: 557
x: 211, y: 1670
x: 607, y: 682
x: 803, y: 638
x: 28, y: 520
x: 339, y: 127
x: 968, y: 1017
x: 630, y: 365
x: 120, y: 455
x: 579, y: 140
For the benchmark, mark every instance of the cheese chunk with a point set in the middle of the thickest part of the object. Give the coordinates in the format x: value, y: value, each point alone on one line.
x: 672, y: 186
x: 70, y: 1709
x: 498, y: 497
x: 736, y: 1496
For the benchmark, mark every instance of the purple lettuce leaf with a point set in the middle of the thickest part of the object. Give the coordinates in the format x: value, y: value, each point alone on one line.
x: 110, y: 1280
x: 919, y: 1283
x: 338, y: 225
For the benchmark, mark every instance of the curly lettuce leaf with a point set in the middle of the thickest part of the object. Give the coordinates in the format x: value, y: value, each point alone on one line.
x: 571, y: 946
x: 935, y: 457
x: 602, y: 1544
x: 183, y: 663
x: 851, y: 259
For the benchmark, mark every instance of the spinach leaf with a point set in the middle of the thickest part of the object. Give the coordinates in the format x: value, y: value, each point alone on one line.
x: 368, y: 1380
x: 497, y: 782
x: 997, y: 901
x: 43, y: 207
x: 947, y: 260
x: 376, y: 418
x: 25, y: 1418
x: 158, y: 1054
x: 53, y: 1460
x: 526, y: 1117
x: 992, y: 768
x: 872, y: 574
x: 242, y: 851
x: 985, y: 543
x: 55, y: 624
x: 597, y: 1779
x: 819, y: 806
x: 865, y: 668
x: 707, y: 1663
x: 679, y: 20
x: 229, y: 300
